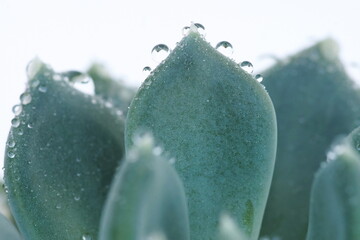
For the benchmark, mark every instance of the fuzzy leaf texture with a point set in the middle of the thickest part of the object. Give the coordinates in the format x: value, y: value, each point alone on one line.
x: 315, y: 102
x: 146, y: 200
x: 335, y: 197
x: 219, y: 124
x: 61, y: 155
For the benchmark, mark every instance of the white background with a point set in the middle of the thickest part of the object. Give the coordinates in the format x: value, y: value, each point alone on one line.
x: 71, y: 34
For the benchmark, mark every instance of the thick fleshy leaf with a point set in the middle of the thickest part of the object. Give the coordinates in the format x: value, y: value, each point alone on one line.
x: 7, y: 230
x: 219, y: 123
x: 315, y: 102
x: 111, y: 90
x: 61, y: 155
x: 146, y: 200
x: 335, y: 197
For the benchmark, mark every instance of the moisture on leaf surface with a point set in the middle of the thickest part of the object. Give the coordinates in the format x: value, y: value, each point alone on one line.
x: 61, y: 155
x: 219, y: 124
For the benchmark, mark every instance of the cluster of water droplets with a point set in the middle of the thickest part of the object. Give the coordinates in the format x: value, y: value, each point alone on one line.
x: 160, y: 52
x: 226, y: 48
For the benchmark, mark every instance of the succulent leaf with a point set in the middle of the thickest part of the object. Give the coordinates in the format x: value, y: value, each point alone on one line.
x: 335, y: 198
x: 146, y: 200
x: 7, y: 230
x: 110, y: 89
x: 219, y: 123
x: 315, y: 102
x: 61, y: 155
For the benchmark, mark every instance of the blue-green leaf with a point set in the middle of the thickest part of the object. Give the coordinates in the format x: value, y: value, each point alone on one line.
x: 61, y: 155
x: 219, y: 123
x: 146, y: 200
x: 315, y: 102
x: 335, y: 197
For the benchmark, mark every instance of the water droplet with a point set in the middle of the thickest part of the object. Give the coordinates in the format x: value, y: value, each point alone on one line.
x: 58, y: 206
x: 42, y: 88
x: 84, y: 83
x: 185, y: 30
x: 33, y: 68
x: 35, y: 83
x: 11, y: 154
x: 259, y: 77
x: 77, y: 198
x: 157, y: 151
x: 17, y: 109
x: 86, y: 237
x: 25, y: 98
x: 147, y: 70
x: 358, y: 147
x: 160, y: 52
x: 78, y: 160
x: 225, y: 48
x: 78, y: 174
x: 11, y: 143
x: 20, y: 132
x: 15, y: 122
x: 30, y: 125
x: 247, y: 66
x: 56, y: 77
x: 200, y: 28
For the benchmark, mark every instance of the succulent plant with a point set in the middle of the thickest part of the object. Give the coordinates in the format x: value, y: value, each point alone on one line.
x: 194, y: 155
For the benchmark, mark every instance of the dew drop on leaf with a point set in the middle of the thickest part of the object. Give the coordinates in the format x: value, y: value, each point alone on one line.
x: 146, y: 70
x: 11, y: 154
x: 17, y: 109
x: 160, y: 52
x: 56, y: 77
x: 33, y: 67
x: 259, y: 77
x: 11, y: 143
x: 20, y: 132
x: 25, y: 98
x: 225, y: 48
x: 15, y: 122
x: 42, y: 88
x: 199, y: 27
x: 247, y: 66
x: 185, y: 30
x: 84, y: 83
